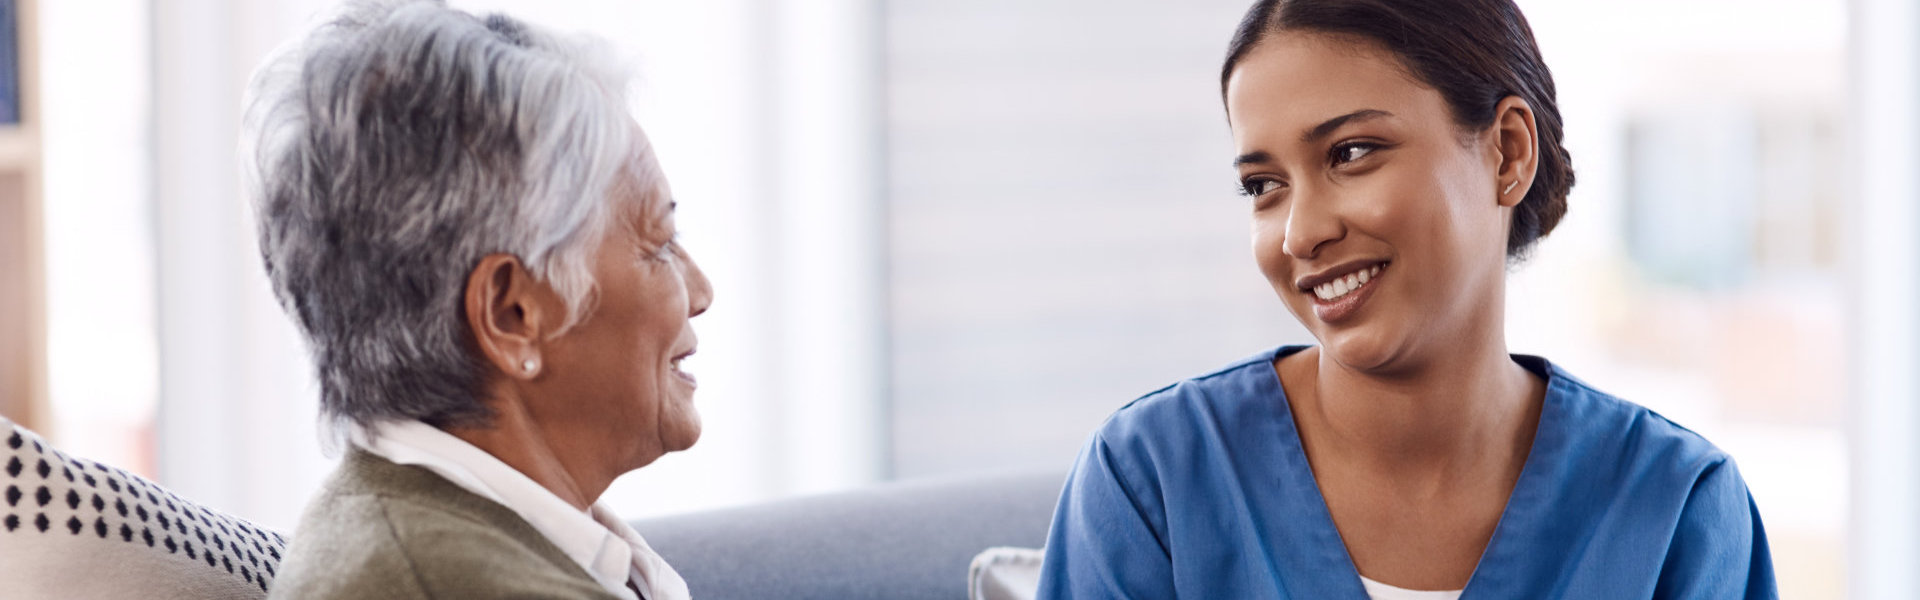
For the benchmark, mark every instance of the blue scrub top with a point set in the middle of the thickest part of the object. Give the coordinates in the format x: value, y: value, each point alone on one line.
x: 1202, y: 490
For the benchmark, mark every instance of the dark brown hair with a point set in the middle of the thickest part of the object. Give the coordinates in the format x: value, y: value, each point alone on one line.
x: 1474, y: 52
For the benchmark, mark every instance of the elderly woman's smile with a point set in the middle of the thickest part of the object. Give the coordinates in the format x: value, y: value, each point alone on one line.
x: 681, y: 372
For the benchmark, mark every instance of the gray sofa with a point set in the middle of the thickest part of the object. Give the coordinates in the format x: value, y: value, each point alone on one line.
x: 899, y: 541
x: 74, y: 528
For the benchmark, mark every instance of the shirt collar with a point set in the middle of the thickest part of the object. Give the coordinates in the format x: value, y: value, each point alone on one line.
x: 609, y: 550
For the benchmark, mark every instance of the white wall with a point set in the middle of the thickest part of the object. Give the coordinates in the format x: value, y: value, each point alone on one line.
x: 101, y: 364
x: 236, y: 417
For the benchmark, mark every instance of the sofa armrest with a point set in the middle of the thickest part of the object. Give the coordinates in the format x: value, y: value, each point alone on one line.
x: 899, y: 541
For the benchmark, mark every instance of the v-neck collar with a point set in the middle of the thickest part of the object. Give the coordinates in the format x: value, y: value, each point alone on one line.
x: 1326, y: 553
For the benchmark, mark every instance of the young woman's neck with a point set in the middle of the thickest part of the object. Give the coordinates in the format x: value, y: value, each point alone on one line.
x: 1465, y: 407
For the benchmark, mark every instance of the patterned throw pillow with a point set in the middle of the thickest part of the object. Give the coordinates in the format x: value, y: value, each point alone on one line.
x: 74, y: 528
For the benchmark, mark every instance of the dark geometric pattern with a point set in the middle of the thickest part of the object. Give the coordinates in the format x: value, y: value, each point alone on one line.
x: 50, y: 493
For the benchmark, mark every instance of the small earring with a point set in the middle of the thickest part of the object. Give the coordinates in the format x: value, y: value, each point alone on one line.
x: 1509, y: 187
x: 529, y: 365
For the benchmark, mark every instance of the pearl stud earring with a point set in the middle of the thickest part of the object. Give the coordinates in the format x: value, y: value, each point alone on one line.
x: 529, y: 365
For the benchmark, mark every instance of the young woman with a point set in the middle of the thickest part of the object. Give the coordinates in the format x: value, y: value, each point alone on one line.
x: 1398, y: 155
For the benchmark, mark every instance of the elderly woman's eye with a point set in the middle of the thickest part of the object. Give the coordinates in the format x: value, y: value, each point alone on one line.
x: 657, y: 252
x: 669, y: 250
x: 1352, y: 151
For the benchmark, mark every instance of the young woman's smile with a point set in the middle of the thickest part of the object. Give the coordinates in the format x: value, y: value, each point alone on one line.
x: 1339, y: 293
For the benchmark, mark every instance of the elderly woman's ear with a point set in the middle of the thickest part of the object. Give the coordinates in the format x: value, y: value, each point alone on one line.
x: 510, y: 313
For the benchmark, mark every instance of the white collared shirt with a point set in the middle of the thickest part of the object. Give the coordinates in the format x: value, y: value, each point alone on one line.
x: 609, y: 550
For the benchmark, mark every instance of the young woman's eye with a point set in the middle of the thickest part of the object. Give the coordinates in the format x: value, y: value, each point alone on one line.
x: 1254, y: 188
x: 1351, y: 151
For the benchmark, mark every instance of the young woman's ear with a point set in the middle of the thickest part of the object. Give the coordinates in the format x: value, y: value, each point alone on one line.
x: 1517, y: 147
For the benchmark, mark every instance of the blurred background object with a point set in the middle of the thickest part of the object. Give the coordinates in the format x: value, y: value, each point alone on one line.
x: 952, y: 236
x: 23, y: 366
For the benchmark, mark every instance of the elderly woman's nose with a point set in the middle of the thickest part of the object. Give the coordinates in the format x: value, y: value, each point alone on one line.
x: 699, y: 290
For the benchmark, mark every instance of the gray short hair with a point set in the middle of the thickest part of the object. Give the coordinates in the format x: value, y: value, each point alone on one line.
x: 391, y: 149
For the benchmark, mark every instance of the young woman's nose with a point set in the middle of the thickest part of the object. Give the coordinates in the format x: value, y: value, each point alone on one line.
x: 1311, y: 224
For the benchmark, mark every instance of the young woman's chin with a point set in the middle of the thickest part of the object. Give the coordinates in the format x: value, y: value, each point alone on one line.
x: 1367, y: 343
x: 1372, y: 348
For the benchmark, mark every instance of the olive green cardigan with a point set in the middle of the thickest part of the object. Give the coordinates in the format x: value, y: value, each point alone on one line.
x: 381, y: 530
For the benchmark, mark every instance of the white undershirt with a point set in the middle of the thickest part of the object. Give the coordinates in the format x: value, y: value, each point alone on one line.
x: 1381, y: 591
x: 609, y: 550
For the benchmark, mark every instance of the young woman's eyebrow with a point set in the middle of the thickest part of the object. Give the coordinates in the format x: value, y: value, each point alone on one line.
x: 1327, y: 127
x: 1257, y: 157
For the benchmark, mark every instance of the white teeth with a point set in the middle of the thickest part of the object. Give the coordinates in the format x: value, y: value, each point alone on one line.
x: 1345, y: 285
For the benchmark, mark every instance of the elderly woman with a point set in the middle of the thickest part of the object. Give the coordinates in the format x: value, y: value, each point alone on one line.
x: 475, y: 239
